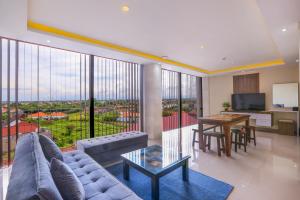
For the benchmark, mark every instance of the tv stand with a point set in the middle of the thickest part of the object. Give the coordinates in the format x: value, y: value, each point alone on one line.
x: 261, y: 118
x: 268, y: 120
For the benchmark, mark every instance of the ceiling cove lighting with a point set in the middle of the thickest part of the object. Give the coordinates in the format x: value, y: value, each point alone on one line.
x: 125, y: 8
x: 284, y: 30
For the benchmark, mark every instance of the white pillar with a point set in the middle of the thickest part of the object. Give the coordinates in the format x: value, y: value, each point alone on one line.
x: 152, y: 100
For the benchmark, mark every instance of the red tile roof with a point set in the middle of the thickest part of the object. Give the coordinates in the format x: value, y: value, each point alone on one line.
x: 24, y: 127
x: 42, y: 114
x: 38, y: 114
x: 57, y: 114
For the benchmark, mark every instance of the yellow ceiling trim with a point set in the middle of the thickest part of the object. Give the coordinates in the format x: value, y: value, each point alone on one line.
x: 81, y: 38
x: 52, y: 30
x: 251, y: 66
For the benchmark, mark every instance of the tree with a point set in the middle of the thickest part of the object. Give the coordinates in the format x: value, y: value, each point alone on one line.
x: 68, y: 135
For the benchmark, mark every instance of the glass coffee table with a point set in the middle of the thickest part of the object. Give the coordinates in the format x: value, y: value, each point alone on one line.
x: 155, y: 162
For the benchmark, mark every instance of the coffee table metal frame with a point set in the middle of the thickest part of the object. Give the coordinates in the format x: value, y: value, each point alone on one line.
x: 184, y: 163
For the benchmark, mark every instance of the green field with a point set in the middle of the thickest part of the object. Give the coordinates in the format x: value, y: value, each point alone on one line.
x: 75, y: 126
x: 66, y: 131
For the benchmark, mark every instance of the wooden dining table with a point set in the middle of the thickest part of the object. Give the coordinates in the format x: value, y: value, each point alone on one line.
x: 226, y: 121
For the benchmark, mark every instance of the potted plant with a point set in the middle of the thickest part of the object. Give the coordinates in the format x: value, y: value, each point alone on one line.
x: 226, y: 106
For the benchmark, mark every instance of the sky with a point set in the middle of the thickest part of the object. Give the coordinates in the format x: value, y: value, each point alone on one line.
x: 63, y: 76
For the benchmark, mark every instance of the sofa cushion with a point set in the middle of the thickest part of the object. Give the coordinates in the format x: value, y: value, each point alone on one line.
x: 107, y: 149
x: 66, y: 181
x: 30, y: 176
x: 111, y: 142
x: 50, y: 149
x: 97, y: 182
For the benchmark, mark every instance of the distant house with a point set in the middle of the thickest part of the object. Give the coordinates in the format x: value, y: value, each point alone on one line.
x: 24, y: 127
x: 42, y: 115
x: 4, y: 109
x: 102, y: 110
x: 58, y: 115
x: 38, y: 115
x: 128, y: 116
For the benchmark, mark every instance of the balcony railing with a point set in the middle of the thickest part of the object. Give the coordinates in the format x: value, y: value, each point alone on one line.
x: 48, y: 90
x: 180, y: 105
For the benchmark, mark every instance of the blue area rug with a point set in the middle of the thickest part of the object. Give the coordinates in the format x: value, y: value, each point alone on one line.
x: 172, y: 187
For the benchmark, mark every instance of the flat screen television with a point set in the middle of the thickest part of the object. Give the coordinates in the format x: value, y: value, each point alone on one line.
x: 248, y: 102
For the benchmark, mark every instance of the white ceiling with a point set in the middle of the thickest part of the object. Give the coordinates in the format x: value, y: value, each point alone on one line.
x: 245, y: 32
x: 281, y: 14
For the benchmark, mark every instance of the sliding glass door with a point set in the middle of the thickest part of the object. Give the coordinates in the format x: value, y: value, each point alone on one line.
x: 189, y: 102
x: 181, y: 99
x: 170, y: 100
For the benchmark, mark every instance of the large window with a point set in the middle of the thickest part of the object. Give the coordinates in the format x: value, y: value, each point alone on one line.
x: 182, y: 99
x: 170, y: 100
x: 47, y: 90
x: 117, y: 86
x: 189, y: 103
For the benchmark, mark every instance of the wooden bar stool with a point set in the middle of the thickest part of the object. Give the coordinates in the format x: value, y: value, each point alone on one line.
x: 207, y: 140
x: 194, y: 136
x: 240, y: 139
x: 251, y: 132
x: 220, y: 141
x: 195, y: 131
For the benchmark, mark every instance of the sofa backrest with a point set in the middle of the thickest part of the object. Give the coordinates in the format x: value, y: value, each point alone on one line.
x: 30, y: 176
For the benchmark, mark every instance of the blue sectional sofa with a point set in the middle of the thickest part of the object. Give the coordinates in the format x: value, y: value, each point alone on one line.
x: 31, y: 178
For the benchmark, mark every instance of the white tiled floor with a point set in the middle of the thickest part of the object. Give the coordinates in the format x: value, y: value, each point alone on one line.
x: 4, y: 176
x: 271, y: 170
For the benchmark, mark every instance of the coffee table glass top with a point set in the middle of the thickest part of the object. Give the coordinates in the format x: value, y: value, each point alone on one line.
x: 154, y: 158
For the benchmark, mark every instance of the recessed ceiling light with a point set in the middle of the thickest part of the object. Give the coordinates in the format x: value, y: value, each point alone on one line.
x: 125, y: 8
x: 202, y: 46
x: 297, y: 60
x: 284, y: 30
x: 164, y: 57
x: 48, y: 41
